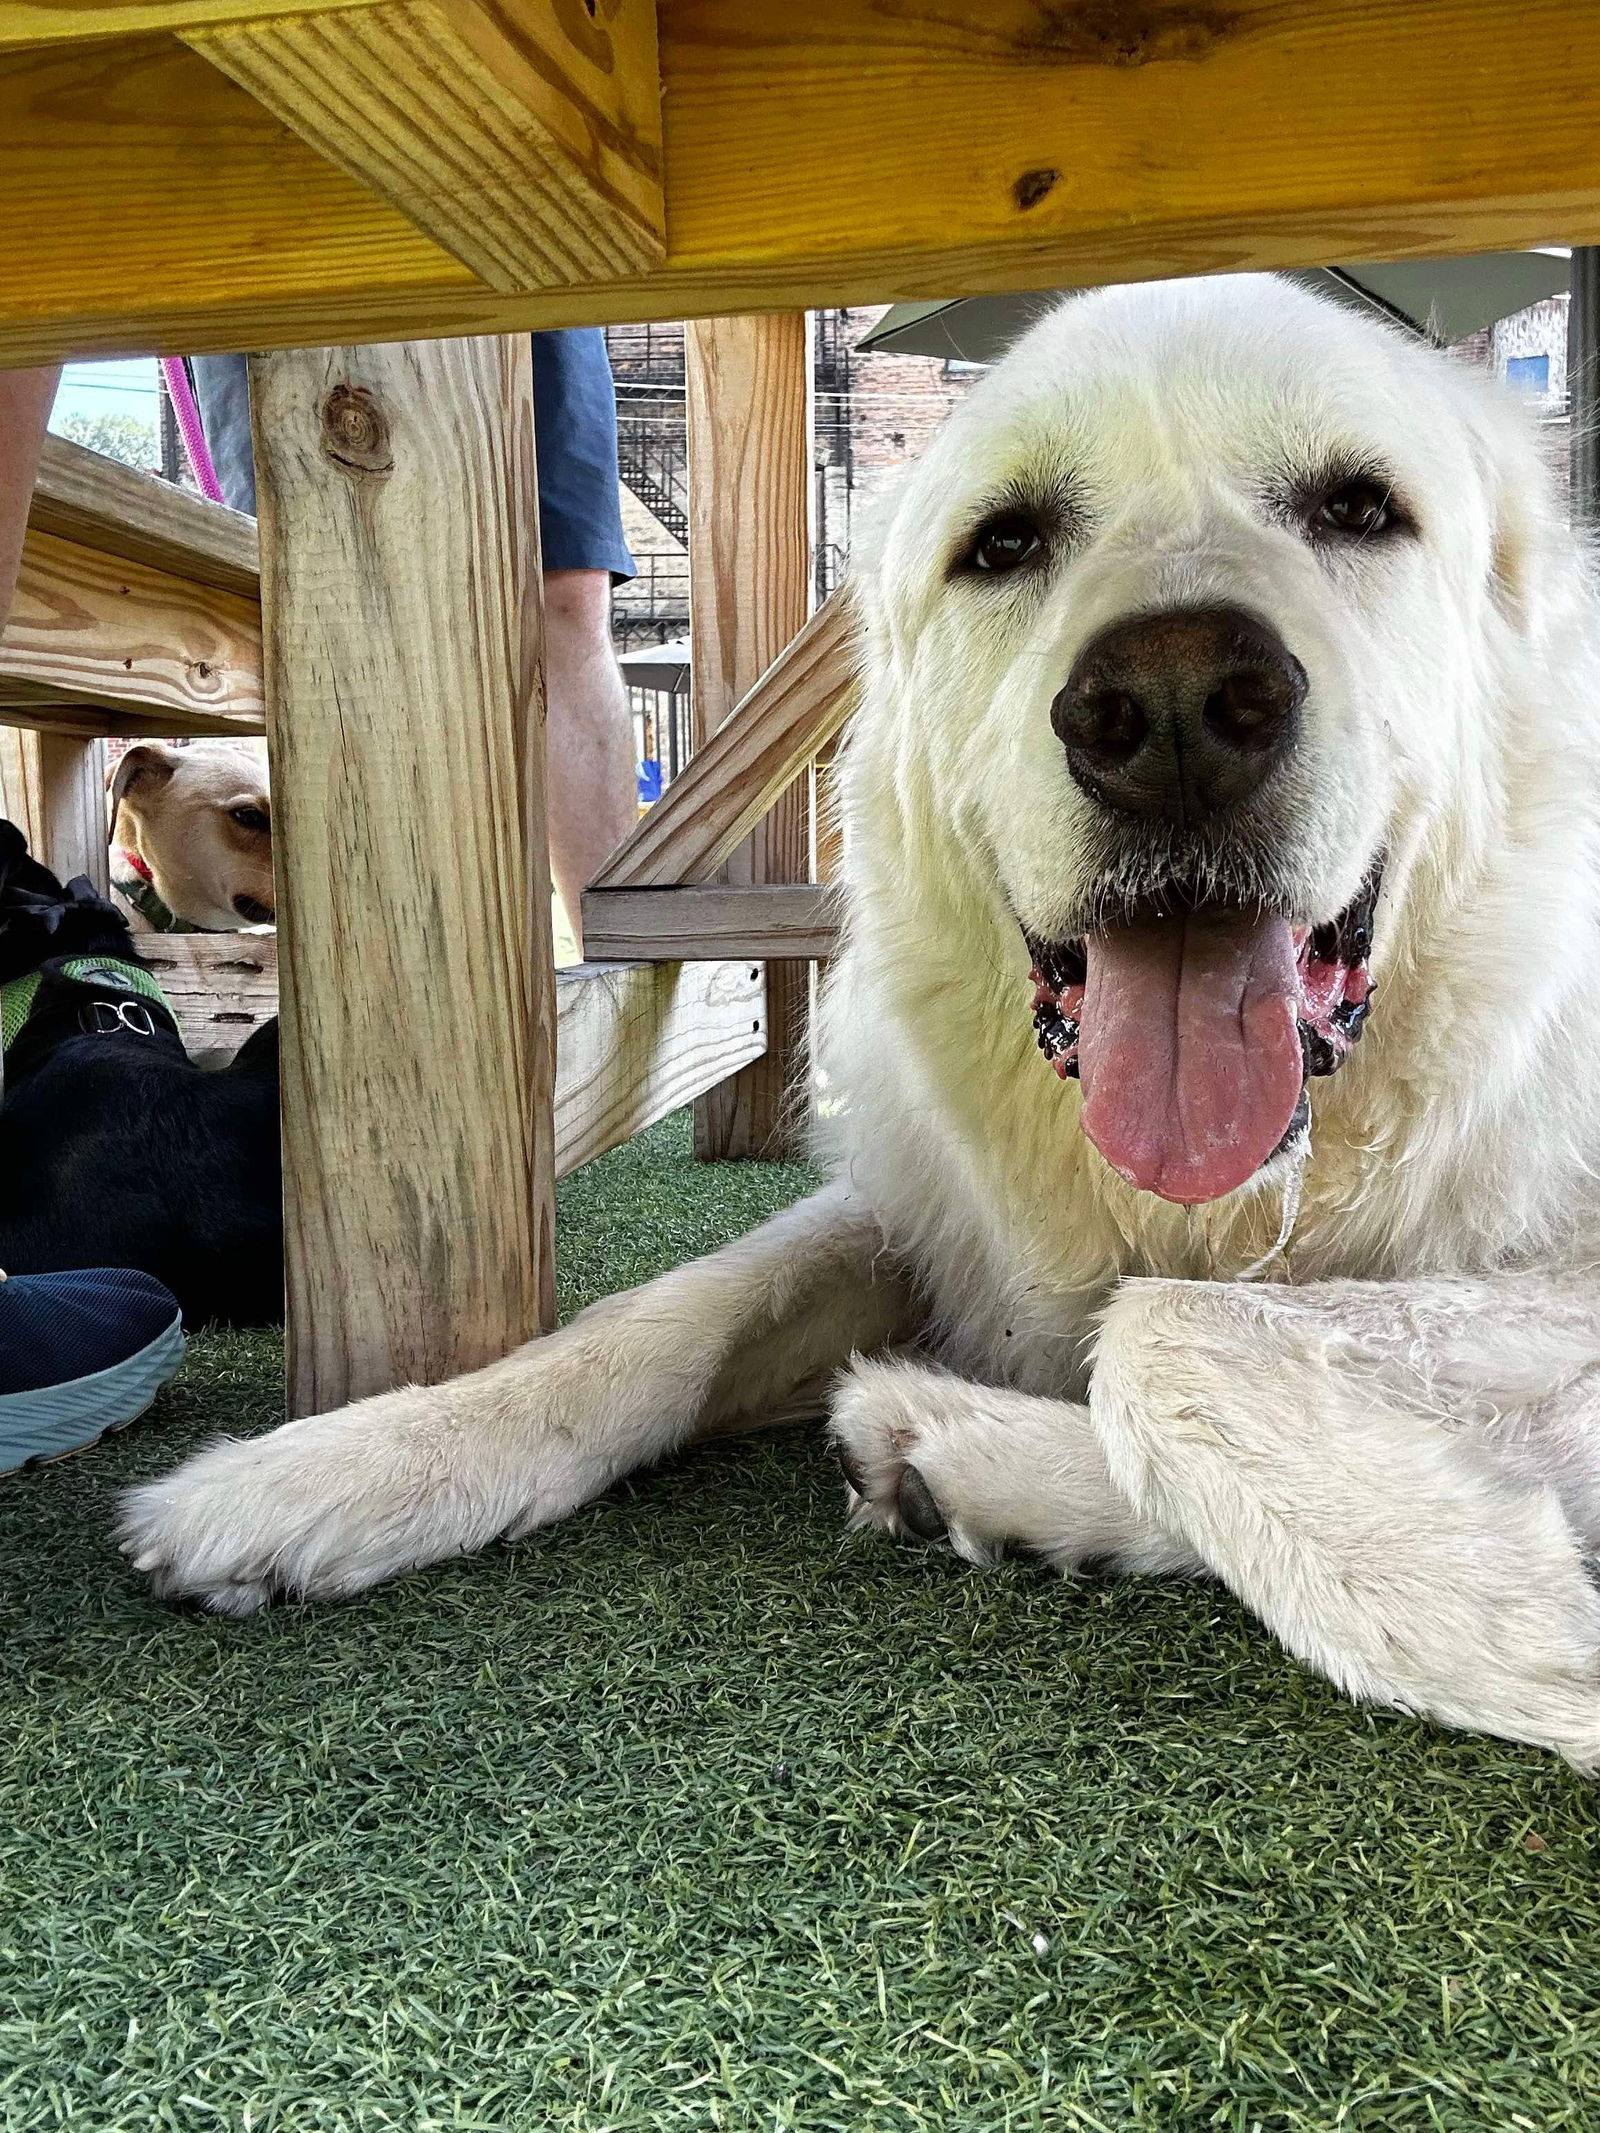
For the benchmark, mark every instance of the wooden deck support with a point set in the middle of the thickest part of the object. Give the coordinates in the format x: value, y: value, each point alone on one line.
x: 791, y: 921
x: 53, y: 787
x: 160, y: 654
x: 95, y: 502
x: 635, y: 1040
x: 838, y: 152
x: 749, y: 433
x: 528, y: 148
x: 220, y: 986
x: 400, y: 598
x: 793, y: 713
x: 137, y: 609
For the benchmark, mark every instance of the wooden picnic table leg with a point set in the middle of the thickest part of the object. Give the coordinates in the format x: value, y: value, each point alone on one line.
x: 25, y: 399
x: 400, y: 593
x: 750, y: 520
x: 53, y: 787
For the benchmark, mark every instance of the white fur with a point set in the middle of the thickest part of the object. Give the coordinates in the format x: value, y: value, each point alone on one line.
x: 1396, y: 1460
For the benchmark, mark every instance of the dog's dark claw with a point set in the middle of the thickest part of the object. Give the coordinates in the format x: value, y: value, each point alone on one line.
x: 852, y: 1473
x: 919, y: 1512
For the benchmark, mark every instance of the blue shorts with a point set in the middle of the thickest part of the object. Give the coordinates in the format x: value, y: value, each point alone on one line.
x: 575, y: 419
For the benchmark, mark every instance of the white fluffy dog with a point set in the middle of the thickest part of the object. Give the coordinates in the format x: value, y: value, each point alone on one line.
x: 1228, y: 663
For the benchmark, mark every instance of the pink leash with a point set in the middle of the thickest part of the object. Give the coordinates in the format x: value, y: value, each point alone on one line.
x: 181, y: 394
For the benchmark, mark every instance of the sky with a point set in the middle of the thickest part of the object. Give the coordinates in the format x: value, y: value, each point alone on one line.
x: 124, y: 387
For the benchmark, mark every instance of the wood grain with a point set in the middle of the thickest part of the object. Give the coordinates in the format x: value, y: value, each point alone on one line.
x: 791, y: 714
x: 749, y: 437
x: 65, y: 22
x: 95, y: 502
x: 841, y: 152
x: 88, y: 627
x: 400, y: 591
x: 99, y: 145
x: 524, y: 140
x: 53, y: 787
x: 221, y: 986
x: 795, y: 920
x: 635, y: 1041
x: 125, y: 721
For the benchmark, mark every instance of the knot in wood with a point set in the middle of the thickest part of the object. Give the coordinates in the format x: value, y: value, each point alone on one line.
x: 1032, y: 187
x: 355, y: 431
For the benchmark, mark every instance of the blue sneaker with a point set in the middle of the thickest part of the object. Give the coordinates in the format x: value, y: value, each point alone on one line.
x: 80, y: 1353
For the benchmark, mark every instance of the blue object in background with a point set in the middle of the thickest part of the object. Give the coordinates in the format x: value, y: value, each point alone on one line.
x: 649, y: 781
x: 1530, y: 374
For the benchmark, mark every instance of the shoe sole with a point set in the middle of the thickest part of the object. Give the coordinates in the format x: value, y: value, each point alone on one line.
x: 54, y: 1420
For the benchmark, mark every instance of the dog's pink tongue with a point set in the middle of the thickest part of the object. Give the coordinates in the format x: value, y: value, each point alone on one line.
x: 1189, y: 1054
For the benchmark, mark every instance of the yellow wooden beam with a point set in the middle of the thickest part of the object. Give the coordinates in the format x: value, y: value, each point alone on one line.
x: 28, y: 23
x: 748, y: 399
x: 138, y: 186
x: 525, y: 141
x: 89, y: 629
x: 792, y: 921
x: 400, y: 605
x: 95, y: 502
x: 755, y: 755
x: 829, y: 153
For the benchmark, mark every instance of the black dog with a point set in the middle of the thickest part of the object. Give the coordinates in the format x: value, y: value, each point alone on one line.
x: 115, y: 1150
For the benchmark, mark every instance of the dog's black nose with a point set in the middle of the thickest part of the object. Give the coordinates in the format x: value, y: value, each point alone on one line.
x: 1181, y: 714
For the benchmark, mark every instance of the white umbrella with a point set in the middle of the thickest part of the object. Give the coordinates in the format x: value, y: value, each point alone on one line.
x: 1447, y: 298
x: 657, y: 666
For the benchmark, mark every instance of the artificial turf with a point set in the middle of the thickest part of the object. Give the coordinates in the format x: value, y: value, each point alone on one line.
x: 696, y: 1812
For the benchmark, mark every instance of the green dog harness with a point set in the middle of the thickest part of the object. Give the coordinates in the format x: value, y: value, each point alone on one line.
x: 126, y: 983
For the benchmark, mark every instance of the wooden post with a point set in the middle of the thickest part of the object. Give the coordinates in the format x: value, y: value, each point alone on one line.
x: 53, y: 787
x: 400, y: 598
x: 749, y: 425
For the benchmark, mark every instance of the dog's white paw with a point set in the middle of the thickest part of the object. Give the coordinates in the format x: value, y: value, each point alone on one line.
x: 892, y: 1440
x: 323, y: 1508
x: 979, y: 1468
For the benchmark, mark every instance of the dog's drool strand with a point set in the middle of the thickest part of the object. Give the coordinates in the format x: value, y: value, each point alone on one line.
x: 1295, y: 1160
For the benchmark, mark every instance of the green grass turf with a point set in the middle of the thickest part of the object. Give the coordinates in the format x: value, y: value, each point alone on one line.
x: 697, y: 1813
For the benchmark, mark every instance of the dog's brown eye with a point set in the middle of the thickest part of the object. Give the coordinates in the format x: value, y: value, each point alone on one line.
x: 1004, y: 543
x: 1357, y: 509
x: 251, y: 818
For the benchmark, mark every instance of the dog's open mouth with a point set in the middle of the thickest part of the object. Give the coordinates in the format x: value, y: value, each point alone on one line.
x: 1194, y: 1030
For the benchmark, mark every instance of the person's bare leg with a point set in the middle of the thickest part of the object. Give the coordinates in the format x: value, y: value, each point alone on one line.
x: 588, y: 732
x: 25, y: 401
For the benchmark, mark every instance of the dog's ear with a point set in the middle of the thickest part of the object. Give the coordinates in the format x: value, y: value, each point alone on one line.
x: 149, y: 765
x: 1526, y: 519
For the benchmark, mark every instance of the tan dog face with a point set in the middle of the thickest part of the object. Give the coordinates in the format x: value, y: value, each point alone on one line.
x: 201, y: 820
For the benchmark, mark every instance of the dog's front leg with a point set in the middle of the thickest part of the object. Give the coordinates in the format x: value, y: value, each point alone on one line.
x: 1347, y: 1457
x: 326, y: 1506
x: 934, y: 1457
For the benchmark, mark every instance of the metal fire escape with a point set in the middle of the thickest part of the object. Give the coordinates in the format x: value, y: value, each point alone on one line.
x: 832, y: 446
x: 653, y: 461
x: 652, y: 457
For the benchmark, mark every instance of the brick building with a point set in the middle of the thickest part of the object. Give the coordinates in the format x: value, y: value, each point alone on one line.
x: 873, y: 413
